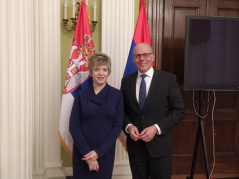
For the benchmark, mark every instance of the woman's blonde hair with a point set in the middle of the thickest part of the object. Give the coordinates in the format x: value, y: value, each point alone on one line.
x: 98, y: 59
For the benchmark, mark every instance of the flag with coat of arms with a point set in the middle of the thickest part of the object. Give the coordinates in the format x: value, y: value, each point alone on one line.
x: 141, y: 35
x: 78, y: 76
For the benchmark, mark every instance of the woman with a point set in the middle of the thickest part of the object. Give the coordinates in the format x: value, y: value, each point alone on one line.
x: 95, y: 123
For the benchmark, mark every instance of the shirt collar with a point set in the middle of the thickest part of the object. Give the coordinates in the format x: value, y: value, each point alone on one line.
x: 149, y: 73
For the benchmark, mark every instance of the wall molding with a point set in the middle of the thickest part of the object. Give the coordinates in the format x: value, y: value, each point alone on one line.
x: 31, y: 93
x: 117, y: 35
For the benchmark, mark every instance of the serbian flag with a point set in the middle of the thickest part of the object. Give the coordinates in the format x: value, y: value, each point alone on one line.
x: 78, y: 76
x: 141, y: 35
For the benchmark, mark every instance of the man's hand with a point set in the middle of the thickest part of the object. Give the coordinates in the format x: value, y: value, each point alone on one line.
x: 134, y: 133
x: 148, y: 133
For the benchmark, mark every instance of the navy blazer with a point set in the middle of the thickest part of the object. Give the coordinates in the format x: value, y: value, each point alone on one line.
x: 163, y: 106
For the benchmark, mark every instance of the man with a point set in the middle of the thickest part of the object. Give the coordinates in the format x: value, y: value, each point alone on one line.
x: 148, y: 128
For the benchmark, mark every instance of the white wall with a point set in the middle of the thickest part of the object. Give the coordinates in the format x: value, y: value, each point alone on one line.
x: 117, y: 35
x: 30, y: 89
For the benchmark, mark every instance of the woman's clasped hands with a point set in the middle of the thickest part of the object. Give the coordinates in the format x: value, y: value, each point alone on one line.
x: 91, y: 159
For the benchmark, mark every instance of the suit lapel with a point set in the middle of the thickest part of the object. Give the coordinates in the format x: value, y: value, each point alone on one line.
x: 133, y: 88
x: 153, y: 86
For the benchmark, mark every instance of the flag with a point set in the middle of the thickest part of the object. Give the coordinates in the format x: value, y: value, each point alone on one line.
x: 141, y: 35
x: 78, y: 76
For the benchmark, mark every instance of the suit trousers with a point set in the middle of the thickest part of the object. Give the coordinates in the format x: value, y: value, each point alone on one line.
x: 144, y: 166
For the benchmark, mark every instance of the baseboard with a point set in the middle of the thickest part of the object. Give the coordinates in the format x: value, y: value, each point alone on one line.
x: 68, y: 171
x: 53, y: 173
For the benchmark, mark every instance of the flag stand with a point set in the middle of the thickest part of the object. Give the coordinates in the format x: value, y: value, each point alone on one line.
x: 200, y: 136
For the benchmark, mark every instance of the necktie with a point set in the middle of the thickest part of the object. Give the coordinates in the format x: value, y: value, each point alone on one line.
x: 142, y: 92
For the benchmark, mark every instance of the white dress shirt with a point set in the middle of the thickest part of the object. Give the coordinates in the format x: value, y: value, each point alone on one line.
x: 148, y: 79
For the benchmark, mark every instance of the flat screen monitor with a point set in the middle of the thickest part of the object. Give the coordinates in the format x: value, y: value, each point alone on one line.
x: 211, y: 53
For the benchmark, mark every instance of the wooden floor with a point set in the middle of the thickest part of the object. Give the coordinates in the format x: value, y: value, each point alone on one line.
x: 201, y: 176
x: 214, y: 176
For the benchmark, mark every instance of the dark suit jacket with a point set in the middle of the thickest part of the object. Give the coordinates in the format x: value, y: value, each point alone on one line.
x: 163, y: 106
